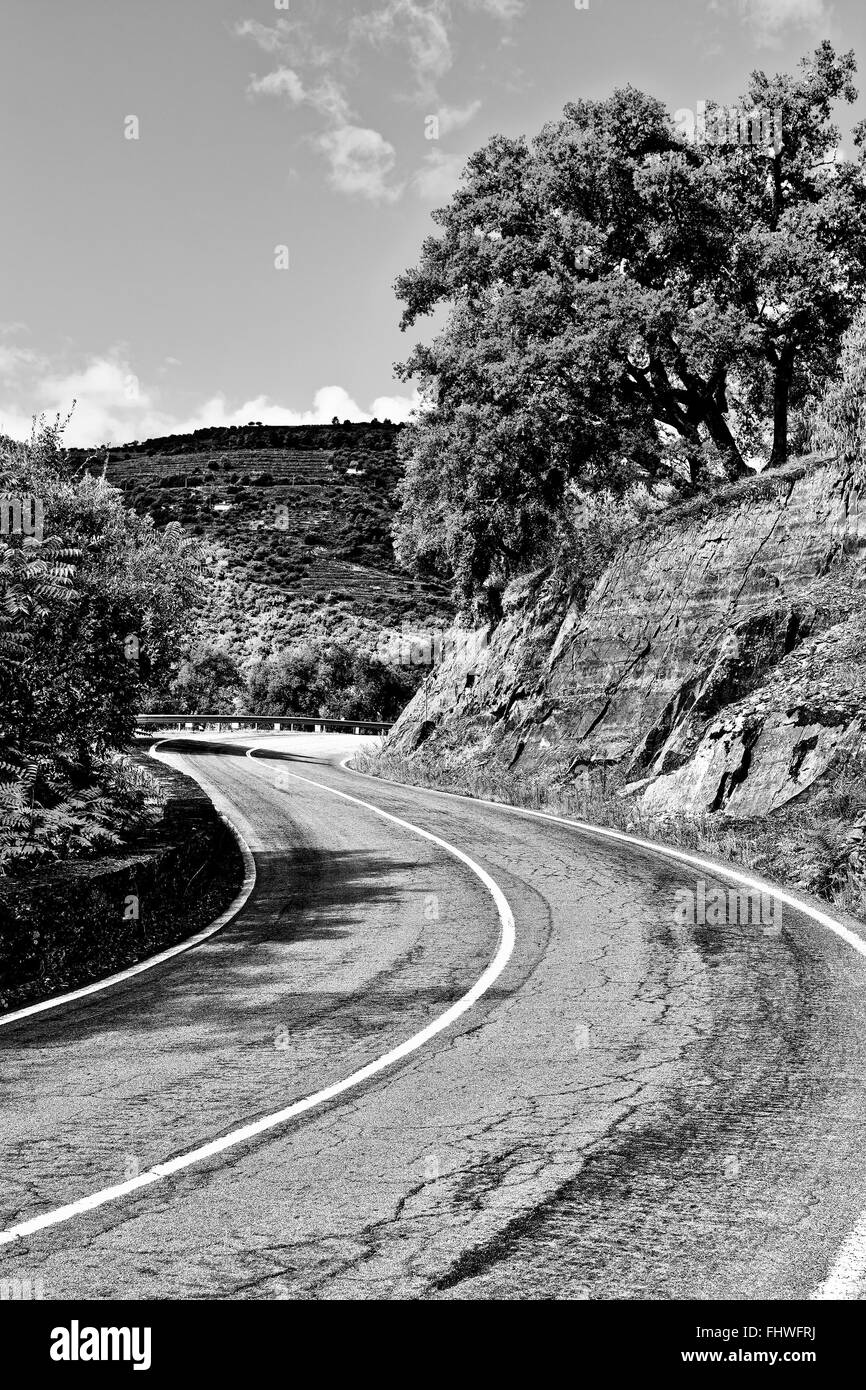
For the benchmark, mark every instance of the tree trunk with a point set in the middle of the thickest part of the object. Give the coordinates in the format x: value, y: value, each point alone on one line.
x: 724, y: 440
x: 781, y: 397
x: 705, y: 404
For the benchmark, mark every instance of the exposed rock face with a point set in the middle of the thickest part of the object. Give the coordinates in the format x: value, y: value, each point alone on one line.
x: 773, y: 745
x: 719, y: 663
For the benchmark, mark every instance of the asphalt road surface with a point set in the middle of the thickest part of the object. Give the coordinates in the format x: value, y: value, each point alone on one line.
x: 633, y: 1109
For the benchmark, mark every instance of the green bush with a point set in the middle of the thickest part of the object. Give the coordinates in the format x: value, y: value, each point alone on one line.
x: 332, y: 680
x: 103, y: 598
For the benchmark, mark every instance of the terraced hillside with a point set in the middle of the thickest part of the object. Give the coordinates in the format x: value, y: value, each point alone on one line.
x: 297, y: 524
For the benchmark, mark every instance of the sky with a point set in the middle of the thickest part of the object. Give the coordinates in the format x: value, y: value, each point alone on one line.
x: 205, y: 203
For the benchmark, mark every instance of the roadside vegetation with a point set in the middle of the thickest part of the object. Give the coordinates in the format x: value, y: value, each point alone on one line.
x: 635, y: 321
x: 818, y: 841
x: 331, y: 679
x: 295, y: 526
x: 632, y: 319
x: 91, y: 614
x: 627, y: 311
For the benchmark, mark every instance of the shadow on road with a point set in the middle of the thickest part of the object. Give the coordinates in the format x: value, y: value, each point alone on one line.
x: 310, y: 911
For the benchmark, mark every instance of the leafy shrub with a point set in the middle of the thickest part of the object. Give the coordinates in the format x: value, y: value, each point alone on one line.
x: 102, y: 599
x: 332, y: 680
x: 839, y: 423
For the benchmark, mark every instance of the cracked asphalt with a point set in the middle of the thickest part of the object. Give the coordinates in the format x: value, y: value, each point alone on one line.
x: 636, y: 1109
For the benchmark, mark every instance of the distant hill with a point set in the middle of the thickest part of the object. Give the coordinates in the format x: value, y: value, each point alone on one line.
x: 297, y: 523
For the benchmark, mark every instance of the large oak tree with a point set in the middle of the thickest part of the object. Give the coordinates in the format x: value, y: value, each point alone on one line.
x: 623, y: 302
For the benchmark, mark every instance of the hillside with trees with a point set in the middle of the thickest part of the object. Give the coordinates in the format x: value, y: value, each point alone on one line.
x: 295, y: 527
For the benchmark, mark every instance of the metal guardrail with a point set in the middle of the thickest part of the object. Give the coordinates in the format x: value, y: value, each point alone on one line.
x: 273, y: 723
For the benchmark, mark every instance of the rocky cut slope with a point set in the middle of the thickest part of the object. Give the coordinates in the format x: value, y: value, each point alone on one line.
x: 719, y: 664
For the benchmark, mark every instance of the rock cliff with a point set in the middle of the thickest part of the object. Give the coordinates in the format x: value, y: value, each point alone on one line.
x: 719, y: 664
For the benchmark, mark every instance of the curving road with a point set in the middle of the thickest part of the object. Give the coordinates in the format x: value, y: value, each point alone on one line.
x: 632, y: 1109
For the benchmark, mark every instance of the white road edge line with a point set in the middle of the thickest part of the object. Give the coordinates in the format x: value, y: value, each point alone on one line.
x: 846, y: 1278
x: 239, y: 1136
x: 224, y: 812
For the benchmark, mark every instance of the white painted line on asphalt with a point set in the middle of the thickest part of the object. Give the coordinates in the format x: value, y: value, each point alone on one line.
x: 719, y: 870
x: 405, y: 1049
x: 847, y: 1276
x: 234, y: 907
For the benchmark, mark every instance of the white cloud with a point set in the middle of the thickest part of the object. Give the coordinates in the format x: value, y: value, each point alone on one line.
x: 110, y: 402
x: 360, y: 161
x: 294, y: 40
x: 112, y: 406
x: 505, y: 10
x: 327, y: 97
x: 420, y: 30
x: 13, y: 359
x: 272, y: 38
x: 280, y: 82
x: 438, y: 176
x: 328, y: 402
x: 453, y: 118
x: 768, y: 18
x: 397, y: 409
x: 331, y: 101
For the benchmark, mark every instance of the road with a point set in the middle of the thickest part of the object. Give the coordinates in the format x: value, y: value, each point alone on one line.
x: 633, y: 1109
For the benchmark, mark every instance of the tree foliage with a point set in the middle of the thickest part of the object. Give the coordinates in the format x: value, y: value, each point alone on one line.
x: 208, y: 682
x: 624, y: 304
x: 839, y: 423
x: 331, y: 680
x: 90, y: 616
